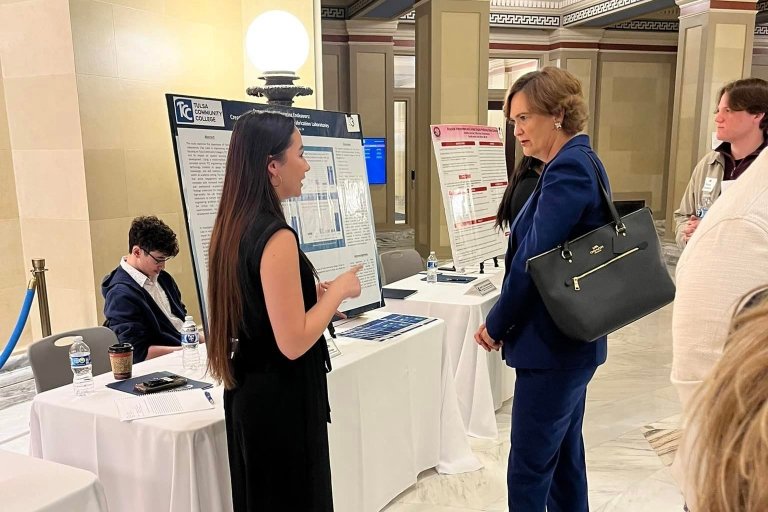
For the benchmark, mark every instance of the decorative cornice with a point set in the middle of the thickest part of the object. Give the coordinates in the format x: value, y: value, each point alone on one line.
x: 596, y: 10
x: 333, y: 13
x: 539, y: 14
x: 647, y: 26
x: 500, y: 19
x: 502, y: 5
x: 510, y: 19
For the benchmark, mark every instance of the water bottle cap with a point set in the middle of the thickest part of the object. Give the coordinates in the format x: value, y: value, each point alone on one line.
x: 188, y: 318
x: 431, y: 252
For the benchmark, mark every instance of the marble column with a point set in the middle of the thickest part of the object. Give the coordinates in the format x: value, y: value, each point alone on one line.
x: 371, y: 87
x: 451, y: 87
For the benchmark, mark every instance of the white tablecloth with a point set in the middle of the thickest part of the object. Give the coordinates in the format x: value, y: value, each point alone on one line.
x: 389, y: 422
x: 483, y: 381
x: 32, y: 485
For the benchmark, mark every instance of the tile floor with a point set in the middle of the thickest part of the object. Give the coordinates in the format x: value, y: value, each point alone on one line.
x: 627, y: 395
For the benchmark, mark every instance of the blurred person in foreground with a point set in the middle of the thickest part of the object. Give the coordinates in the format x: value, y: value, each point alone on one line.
x: 725, y: 448
x: 725, y: 259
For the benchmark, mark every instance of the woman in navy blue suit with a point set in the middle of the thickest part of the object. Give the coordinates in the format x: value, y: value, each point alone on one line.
x: 546, y: 462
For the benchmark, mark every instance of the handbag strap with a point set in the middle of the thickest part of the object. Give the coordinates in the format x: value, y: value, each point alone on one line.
x: 621, y: 229
x: 618, y: 224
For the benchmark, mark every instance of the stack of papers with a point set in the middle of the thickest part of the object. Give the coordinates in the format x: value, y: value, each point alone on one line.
x: 162, y: 404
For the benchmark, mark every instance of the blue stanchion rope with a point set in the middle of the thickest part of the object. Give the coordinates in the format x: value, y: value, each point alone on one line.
x: 23, y: 314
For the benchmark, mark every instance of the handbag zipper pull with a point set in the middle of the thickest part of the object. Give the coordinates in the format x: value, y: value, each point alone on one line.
x: 576, y: 284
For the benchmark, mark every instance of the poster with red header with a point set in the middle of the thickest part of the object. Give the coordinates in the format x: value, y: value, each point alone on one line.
x: 473, y: 176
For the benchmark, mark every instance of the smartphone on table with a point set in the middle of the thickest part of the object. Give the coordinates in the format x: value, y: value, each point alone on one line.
x: 160, y: 384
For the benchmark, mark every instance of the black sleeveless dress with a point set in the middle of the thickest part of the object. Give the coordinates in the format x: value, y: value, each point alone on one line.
x: 276, y: 417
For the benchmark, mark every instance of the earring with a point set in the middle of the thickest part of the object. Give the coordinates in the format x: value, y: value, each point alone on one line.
x: 558, y: 125
x: 278, y: 185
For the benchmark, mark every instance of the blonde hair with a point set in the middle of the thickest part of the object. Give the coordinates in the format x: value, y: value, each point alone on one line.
x: 731, y: 450
x: 552, y: 91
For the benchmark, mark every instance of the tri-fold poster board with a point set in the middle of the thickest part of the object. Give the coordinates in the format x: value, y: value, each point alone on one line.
x: 333, y: 217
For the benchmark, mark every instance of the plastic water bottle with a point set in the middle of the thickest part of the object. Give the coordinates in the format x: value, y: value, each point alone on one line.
x: 704, y: 206
x: 80, y: 361
x: 432, y: 268
x: 190, y: 356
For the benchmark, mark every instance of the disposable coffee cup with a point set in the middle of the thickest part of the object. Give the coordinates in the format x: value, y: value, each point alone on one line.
x: 121, y: 358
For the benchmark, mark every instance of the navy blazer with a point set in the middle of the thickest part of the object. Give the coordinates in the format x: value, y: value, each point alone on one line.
x: 135, y: 317
x: 566, y: 203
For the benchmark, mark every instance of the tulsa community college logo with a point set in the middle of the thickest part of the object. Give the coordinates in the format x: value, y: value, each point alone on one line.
x: 184, y: 113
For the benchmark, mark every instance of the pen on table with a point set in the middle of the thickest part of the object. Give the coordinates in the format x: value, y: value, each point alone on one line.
x: 208, y: 396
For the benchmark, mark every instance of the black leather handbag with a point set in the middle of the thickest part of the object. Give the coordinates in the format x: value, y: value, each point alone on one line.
x: 604, y: 279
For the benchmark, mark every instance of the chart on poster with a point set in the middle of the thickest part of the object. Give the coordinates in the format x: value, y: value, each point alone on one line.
x: 333, y: 217
x: 473, y: 176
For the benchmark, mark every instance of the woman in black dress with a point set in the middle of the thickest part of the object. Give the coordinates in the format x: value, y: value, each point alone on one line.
x: 521, y: 184
x: 262, y: 291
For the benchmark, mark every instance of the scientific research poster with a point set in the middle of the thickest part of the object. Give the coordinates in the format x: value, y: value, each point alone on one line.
x: 333, y: 217
x: 473, y: 177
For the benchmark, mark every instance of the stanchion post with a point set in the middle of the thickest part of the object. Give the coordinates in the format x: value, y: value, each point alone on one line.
x: 39, y: 270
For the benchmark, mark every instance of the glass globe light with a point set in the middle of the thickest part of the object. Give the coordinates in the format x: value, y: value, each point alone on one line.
x: 277, y: 41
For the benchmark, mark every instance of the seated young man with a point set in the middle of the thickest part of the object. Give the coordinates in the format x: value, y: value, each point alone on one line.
x: 142, y: 302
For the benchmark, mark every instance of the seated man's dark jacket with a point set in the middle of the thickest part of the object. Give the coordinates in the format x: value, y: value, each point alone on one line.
x: 134, y: 316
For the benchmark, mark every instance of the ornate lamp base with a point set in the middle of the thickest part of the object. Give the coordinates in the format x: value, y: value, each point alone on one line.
x: 279, y: 88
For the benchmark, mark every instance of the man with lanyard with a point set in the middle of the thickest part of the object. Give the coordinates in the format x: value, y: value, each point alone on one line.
x: 741, y: 123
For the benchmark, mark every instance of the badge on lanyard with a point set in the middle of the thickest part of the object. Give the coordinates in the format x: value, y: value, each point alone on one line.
x: 709, y: 185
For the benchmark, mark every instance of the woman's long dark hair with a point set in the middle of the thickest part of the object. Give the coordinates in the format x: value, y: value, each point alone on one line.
x: 504, y: 215
x: 246, y: 194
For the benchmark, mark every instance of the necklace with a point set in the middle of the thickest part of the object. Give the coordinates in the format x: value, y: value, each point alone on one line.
x: 739, y: 167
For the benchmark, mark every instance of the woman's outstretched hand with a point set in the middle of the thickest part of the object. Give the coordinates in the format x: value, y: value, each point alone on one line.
x: 347, y: 282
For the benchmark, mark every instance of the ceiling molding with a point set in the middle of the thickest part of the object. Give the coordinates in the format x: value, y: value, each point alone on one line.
x: 641, y: 25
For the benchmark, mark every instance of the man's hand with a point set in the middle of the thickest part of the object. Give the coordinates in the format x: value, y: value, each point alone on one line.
x: 483, y: 339
x: 690, y: 227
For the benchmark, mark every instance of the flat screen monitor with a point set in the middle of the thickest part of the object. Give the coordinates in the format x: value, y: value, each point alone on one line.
x: 376, y: 160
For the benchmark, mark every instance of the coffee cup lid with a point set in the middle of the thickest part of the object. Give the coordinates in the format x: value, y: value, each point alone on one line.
x: 120, y: 348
